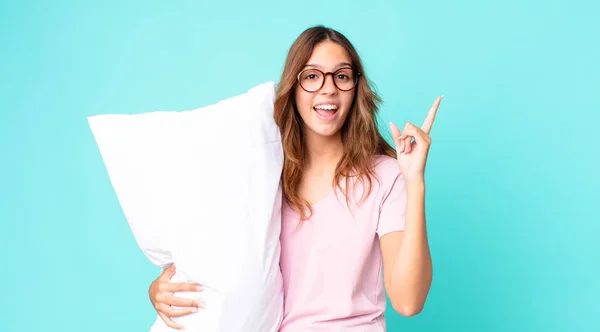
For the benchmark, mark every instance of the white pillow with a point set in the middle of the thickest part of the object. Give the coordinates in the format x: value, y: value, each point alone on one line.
x: 201, y: 189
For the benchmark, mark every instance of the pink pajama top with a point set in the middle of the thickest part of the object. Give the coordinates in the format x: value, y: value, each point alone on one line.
x: 332, y: 264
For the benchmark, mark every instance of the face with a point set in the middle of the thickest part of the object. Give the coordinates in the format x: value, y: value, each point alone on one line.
x: 325, y: 110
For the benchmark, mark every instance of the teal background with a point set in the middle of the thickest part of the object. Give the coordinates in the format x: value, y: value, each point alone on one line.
x: 512, y: 177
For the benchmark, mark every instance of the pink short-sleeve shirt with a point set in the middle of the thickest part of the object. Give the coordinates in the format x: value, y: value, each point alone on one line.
x: 332, y: 265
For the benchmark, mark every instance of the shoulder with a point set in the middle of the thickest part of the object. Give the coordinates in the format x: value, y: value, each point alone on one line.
x: 391, y: 183
x: 386, y: 173
x: 386, y: 168
x: 378, y: 184
x: 389, y: 176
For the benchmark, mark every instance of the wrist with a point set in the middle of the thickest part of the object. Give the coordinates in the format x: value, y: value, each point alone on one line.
x: 416, y: 180
x: 415, y: 186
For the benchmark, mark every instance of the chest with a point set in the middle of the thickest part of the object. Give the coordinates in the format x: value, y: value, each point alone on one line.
x: 314, y: 187
x: 334, y: 226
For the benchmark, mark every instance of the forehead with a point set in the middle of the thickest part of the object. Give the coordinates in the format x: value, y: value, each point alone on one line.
x: 329, y: 55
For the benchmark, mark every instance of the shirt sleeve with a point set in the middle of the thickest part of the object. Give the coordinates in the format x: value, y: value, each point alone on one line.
x: 392, y: 211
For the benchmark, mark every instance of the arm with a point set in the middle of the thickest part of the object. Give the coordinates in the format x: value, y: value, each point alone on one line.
x: 406, y: 259
x: 407, y: 266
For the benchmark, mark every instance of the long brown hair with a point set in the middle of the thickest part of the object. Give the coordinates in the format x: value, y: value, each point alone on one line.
x: 360, y: 137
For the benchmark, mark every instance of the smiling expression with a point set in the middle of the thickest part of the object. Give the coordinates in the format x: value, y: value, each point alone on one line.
x: 325, y: 110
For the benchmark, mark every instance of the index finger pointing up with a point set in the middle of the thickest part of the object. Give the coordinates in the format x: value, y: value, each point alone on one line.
x: 431, y: 115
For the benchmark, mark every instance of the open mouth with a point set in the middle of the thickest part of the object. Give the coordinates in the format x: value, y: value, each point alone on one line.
x: 326, y: 112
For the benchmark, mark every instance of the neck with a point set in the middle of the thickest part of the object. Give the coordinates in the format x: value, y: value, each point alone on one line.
x: 323, y: 153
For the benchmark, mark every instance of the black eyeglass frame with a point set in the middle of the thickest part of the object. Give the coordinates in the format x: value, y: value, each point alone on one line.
x: 332, y: 73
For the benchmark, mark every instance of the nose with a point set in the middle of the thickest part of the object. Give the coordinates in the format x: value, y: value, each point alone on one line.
x: 329, y: 86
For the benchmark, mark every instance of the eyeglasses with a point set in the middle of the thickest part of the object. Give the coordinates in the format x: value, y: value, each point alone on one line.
x: 312, y: 80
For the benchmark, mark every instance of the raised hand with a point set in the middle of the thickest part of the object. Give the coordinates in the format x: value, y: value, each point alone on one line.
x: 412, y: 144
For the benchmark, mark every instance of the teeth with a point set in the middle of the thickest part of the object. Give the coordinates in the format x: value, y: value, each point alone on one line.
x: 326, y: 107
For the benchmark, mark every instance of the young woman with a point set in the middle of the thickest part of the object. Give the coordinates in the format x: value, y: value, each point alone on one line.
x: 353, y: 219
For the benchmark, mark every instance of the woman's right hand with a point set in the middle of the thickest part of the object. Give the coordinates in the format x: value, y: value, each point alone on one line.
x: 161, y: 295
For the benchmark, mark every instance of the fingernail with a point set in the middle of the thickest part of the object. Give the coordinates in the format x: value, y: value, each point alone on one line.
x: 202, y: 305
x: 194, y: 310
x: 199, y: 288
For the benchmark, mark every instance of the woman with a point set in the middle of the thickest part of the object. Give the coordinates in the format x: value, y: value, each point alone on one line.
x: 353, y: 219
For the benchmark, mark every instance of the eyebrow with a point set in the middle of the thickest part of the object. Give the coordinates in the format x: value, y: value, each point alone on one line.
x: 341, y: 64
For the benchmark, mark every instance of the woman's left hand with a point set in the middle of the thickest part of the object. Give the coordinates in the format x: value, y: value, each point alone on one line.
x: 412, y: 155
